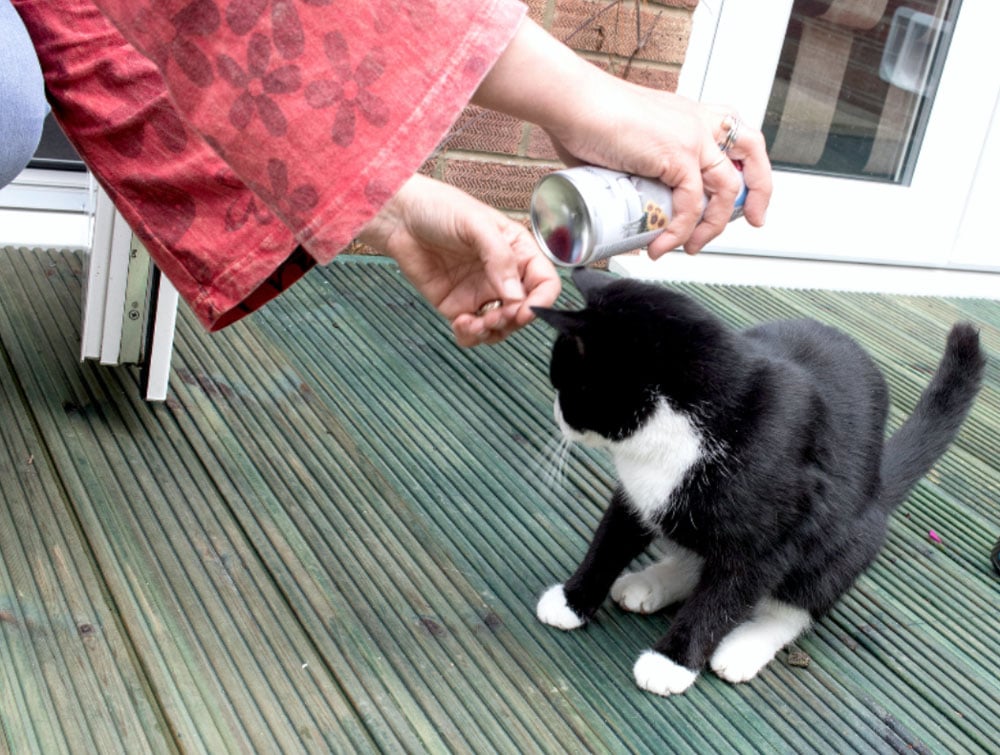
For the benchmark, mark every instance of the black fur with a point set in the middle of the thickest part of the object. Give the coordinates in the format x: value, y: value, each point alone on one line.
x: 792, y: 498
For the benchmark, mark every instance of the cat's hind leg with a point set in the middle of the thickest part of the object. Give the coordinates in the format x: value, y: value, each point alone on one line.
x: 669, y: 580
x: 752, y: 645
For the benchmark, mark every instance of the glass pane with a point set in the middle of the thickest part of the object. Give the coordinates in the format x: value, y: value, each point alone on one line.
x: 854, y: 85
x: 54, y: 150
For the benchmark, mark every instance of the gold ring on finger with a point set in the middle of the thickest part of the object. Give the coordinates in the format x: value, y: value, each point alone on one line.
x: 489, y: 307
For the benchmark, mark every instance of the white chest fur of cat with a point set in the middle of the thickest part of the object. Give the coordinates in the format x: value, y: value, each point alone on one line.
x: 652, y: 462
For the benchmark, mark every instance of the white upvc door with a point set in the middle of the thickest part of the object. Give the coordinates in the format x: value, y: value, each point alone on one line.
x: 129, y: 310
x: 931, y: 198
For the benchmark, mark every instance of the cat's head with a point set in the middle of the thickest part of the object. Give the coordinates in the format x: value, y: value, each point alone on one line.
x: 632, y: 346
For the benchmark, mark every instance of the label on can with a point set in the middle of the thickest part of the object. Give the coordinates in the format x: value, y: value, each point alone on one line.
x: 581, y: 215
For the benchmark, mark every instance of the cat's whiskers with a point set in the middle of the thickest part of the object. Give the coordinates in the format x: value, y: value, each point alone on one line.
x: 558, y: 456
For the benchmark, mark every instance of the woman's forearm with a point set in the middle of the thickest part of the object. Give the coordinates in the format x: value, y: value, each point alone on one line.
x: 540, y: 80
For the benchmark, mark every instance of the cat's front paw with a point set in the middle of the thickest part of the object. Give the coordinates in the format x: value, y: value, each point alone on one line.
x: 638, y: 593
x: 656, y: 673
x: 555, y: 611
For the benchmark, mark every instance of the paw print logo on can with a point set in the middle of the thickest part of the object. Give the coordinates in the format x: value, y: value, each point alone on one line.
x: 655, y: 218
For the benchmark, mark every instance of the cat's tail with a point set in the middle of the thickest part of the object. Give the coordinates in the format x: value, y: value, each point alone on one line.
x: 912, y: 450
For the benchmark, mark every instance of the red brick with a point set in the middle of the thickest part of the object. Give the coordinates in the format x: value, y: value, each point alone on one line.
x: 485, y: 131
x: 594, y: 26
x: 430, y: 166
x: 537, y: 10
x: 506, y: 186
x: 540, y: 146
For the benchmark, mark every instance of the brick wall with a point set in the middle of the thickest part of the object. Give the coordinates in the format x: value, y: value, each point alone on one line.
x: 497, y: 158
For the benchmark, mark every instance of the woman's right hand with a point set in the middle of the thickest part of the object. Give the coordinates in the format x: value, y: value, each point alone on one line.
x: 595, y: 118
x: 661, y: 135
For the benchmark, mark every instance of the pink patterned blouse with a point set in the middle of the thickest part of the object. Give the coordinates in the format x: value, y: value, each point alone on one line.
x: 246, y: 140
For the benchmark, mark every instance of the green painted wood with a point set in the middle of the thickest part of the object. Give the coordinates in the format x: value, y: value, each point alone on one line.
x: 67, y: 681
x: 384, y: 325
x: 354, y: 591
x: 229, y: 671
x: 391, y: 522
x: 333, y: 534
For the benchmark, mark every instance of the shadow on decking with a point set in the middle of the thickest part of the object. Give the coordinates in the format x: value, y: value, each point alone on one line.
x: 331, y: 537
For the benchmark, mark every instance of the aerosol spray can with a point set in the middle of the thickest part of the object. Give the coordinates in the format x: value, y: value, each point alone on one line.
x: 581, y: 215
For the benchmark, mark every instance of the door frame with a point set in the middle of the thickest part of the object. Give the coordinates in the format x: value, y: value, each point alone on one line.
x: 804, y: 222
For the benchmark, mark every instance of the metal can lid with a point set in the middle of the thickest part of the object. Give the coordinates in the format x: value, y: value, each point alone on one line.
x: 561, y: 221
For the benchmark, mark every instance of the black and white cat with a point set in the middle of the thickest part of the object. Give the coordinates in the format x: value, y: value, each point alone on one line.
x: 758, y: 456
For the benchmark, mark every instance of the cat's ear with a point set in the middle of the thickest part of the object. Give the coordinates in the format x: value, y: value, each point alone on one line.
x: 589, y: 281
x: 565, y: 322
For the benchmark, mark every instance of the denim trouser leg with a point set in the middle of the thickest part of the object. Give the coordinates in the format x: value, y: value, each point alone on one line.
x: 22, y: 95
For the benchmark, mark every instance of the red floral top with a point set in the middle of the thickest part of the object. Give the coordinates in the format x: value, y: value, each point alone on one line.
x: 245, y: 140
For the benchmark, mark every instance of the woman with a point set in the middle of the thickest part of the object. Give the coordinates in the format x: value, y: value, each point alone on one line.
x: 246, y: 140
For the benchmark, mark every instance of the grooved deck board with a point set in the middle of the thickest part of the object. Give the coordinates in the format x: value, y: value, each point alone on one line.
x: 332, y: 535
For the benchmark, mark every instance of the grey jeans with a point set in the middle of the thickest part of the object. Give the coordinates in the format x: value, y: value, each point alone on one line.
x: 22, y: 95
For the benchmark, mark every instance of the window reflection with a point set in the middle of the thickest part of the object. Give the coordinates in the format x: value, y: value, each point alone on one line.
x: 854, y: 85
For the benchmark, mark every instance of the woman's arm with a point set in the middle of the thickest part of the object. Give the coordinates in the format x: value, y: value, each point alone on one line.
x: 594, y: 117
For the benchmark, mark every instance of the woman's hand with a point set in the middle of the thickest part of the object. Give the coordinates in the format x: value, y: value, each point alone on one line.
x: 462, y: 255
x: 661, y: 135
x: 593, y: 117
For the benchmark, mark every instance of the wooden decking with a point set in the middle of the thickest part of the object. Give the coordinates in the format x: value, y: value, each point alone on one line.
x: 332, y: 535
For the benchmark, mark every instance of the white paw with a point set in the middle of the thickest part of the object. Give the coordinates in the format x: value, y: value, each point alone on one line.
x: 554, y: 611
x: 638, y: 593
x: 667, y: 581
x: 752, y: 645
x: 739, y: 659
x: 658, y: 674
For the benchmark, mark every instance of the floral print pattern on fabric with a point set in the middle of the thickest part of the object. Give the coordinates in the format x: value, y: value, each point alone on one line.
x: 245, y: 207
x: 259, y: 84
x: 244, y: 140
x: 128, y: 139
x: 198, y: 18
x: 370, y: 90
x: 291, y: 202
x: 213, y: 237
x: 242, y: 16
x: 349, y: 89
